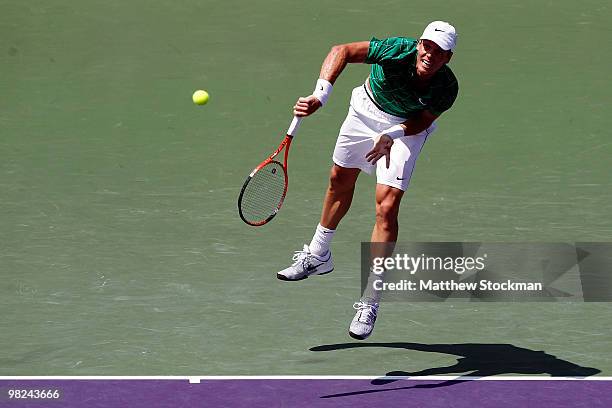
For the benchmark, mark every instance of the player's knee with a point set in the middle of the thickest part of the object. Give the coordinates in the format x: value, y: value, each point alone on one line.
x: 340, y: 180
x: 387, y: 212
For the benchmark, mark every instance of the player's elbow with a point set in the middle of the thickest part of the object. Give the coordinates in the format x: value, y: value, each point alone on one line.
x: 339, y: 51
x: 354, y: 52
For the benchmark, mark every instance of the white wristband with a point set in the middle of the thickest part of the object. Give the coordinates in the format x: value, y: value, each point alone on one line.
x: 322, y: 91
x: 394, y: 132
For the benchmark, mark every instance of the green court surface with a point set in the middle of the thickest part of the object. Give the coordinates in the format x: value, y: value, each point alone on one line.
x: 121, y: 250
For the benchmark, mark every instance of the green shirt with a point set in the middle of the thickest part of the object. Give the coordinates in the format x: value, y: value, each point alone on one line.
x: 392, y: 79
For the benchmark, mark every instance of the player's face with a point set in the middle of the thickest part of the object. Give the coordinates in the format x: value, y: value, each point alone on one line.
x: 430, y: 58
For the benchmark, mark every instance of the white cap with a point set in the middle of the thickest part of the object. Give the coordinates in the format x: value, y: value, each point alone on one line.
x: 442, y: 33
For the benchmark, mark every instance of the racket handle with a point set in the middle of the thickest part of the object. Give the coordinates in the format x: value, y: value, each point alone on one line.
x: 293, y: 127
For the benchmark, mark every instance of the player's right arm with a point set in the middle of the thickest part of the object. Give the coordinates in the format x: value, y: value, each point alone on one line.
x: 337, y: 58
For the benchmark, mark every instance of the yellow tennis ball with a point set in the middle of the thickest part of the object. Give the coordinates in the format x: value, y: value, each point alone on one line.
x: 200, y: 97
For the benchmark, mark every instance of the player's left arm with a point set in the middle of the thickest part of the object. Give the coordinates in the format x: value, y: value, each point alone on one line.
x: 411, y: 127
x: 418, y: 123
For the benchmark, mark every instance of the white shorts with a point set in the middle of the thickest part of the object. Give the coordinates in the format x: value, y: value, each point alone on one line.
x: 363, y: 123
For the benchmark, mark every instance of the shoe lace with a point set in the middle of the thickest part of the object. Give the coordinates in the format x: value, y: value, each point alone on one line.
x: 303, y: 257
x: 368, y: 312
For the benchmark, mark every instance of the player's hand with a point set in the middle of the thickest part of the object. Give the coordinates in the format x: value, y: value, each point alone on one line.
x: 306, y: 106
x: 382, y: 147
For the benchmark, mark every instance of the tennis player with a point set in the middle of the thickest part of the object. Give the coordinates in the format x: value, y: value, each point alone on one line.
x: 389, y: 119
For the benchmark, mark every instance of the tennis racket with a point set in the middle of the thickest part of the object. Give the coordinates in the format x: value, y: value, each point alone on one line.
x: 264, y: 190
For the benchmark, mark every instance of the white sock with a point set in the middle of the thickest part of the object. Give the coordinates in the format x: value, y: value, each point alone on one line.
x: 321, y: 240
x: 370, y: 294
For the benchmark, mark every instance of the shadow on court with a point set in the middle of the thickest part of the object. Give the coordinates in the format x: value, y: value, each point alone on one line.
x: 475, y: 360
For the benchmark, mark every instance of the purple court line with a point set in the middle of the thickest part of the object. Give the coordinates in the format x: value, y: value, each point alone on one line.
x: 309, y: 393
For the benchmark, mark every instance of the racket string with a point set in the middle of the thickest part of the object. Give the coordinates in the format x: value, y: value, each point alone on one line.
x: 263, y: 193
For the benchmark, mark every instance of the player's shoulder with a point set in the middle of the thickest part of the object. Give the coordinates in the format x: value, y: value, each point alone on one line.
x: 391, y: 50
x: 444, y: 90
x: 445, y: 78
x: 404, y: 41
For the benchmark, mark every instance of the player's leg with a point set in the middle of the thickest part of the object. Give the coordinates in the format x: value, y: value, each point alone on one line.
x: 338, y: 199
x: 390, y: 187
x: 387, y: 210
x: 339, y: 195
x: 384, y: 235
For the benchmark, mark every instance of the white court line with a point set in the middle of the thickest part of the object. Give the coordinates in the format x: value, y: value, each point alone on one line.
x: 197, y: 379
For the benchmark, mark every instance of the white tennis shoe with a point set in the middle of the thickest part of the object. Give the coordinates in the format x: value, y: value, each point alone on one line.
x: 363, y: 322
x: 306, y: 264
